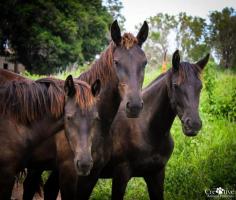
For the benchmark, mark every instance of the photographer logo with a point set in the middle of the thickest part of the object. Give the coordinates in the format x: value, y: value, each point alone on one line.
x: 220, y: 192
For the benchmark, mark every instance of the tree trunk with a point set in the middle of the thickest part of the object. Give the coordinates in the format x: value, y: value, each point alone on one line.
x: 163, y: 69
x: 16, y: 70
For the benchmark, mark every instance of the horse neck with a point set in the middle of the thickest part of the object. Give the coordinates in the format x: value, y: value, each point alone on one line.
x: 109, y: 102
x: 109, y: 98
x: 41, y: 130
x: 157, y: 107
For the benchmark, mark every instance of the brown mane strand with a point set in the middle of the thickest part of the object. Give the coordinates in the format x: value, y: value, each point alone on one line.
x: 26, y: 100
x: 56, y: 95
x: 84, y: 97
x: 128, y: 40
x: 184, y: 70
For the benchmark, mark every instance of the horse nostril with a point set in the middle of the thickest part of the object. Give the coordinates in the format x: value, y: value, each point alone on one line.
x: 188, y: 122
x: 78, y: 164
x: 84, y: 165
x: 142, y: 105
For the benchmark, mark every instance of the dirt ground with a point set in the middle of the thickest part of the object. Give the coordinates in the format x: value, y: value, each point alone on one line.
x: 18, y: 192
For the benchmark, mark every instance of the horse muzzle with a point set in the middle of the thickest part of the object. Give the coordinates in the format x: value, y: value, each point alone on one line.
x: 133, y: 109
x: 84, y: 167
x: 191, y: 127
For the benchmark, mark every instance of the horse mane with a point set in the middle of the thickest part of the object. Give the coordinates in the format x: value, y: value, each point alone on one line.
x: 128, y: 40
x: 186, y: 68
x: 26, y: 100
x: 84, y: 97
x: 102, y: 68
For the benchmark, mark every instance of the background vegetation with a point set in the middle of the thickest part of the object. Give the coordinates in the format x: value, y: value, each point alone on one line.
x: 193, y: 36
x: 50, y: 35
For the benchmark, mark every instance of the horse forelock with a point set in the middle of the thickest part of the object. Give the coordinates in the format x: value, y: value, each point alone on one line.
x: 186, y: 69
x: 84, y: 97
x: 128, y: 40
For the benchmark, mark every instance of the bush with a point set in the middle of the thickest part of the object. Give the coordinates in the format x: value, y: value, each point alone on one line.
x: 220, y: 89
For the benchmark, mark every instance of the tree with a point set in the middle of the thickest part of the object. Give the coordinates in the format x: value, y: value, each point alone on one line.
x: 191, y: 36
x: 157, y: 45
x: 189, y: 32
x: 114, y: 8
x: 49, y: 34
x: 222, y: 35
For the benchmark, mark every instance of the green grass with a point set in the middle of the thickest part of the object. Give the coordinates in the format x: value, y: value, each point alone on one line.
x: 203, y: 162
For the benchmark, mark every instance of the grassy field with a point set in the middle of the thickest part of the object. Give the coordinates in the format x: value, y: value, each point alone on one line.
x: 204, y: 162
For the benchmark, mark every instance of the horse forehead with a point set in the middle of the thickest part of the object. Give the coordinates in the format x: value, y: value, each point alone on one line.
x: 70, y: 106
x: 193, y: 79
x: 134, y: 53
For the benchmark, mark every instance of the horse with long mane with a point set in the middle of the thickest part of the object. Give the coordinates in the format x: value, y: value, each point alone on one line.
x: 32, y: 111
x: 121, y: 71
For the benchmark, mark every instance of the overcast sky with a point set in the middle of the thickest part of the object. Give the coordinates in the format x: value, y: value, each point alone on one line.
x: 136, y: 11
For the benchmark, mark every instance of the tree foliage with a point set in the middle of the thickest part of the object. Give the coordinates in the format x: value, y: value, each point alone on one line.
x: 49, y: 34
x: 223, y: 35
x: 114, y: 7
x: 160, y: 28
x: 193, y: 36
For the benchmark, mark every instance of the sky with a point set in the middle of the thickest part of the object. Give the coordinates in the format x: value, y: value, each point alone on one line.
x: 136, y: 11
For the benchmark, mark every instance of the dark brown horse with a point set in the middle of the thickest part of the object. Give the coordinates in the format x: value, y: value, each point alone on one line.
x: 121, y: 71
x: 143, y: 146
x: 32, y: 111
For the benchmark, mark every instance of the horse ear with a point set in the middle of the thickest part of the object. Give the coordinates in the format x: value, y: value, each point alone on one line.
x: 69, y: 86
x: 142, y: 34
x: 176, y: 60
x: 96, y: 87
x: 202, y: 63
x: 115, y: 33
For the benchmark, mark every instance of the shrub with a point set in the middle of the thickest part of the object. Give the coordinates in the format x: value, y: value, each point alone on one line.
x: 220, y: 89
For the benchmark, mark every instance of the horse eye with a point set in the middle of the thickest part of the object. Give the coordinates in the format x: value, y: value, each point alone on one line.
x: 175, y: 85
x: 69, y: 118
x: 116, y: 62
x: 145, y: 63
